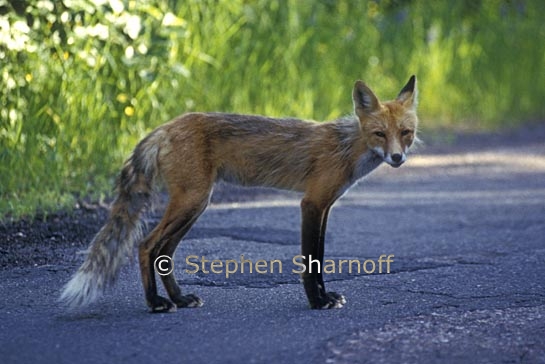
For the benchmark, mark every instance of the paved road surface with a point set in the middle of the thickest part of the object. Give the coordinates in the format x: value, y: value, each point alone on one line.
x: 466, y: 227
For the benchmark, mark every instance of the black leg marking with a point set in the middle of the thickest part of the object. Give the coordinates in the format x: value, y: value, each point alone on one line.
x: 313, y: 239
x: 339, y: 299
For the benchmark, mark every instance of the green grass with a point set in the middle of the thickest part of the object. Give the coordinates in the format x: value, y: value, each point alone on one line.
x: 76, y: 99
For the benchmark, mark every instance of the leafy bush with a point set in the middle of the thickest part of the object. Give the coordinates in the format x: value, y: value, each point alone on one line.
x: 84, y: 80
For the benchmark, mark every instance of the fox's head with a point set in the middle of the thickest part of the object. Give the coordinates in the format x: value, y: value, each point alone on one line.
x: 389, y: 128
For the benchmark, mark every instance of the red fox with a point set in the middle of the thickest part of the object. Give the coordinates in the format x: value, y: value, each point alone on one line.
x: 190, y: 153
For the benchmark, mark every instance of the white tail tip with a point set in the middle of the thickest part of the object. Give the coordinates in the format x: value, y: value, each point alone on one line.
x: 81, y: 290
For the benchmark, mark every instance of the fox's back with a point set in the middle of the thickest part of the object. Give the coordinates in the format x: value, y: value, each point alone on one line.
x: 256, y: 150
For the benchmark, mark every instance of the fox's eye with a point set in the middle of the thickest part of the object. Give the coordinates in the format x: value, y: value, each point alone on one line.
x: 380, y: 134
x: 405, y: 132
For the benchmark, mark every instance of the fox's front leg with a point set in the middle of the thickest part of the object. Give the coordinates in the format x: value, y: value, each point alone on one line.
x: 314, y: 225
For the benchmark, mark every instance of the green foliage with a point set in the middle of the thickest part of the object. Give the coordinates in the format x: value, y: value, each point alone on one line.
x: 82, y: 81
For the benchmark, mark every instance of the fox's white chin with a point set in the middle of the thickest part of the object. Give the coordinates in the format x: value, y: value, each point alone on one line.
x: 395, y: 165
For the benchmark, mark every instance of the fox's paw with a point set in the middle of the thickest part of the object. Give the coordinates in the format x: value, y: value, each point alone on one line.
x: 340, y: 300
x: 188, y: 301
x: 329, y: 300
x: 160, y: 305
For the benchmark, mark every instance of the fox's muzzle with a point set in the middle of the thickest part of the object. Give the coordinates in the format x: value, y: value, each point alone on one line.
x: 396, y: 159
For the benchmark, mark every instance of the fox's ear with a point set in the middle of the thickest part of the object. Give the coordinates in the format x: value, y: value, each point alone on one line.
x: 365, y: 101
x: 408, y: 94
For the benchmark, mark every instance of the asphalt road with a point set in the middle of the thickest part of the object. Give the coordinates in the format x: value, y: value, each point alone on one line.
x: 465, y: 225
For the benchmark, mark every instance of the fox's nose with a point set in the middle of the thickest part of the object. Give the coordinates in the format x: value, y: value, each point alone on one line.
x: 397, y: 157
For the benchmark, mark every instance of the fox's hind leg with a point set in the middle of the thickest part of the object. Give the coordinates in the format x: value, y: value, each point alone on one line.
x: 169, y: 280
x: 183, y: 210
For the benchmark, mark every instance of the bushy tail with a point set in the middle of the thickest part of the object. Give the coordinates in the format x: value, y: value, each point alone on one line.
x: 115, y: 242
